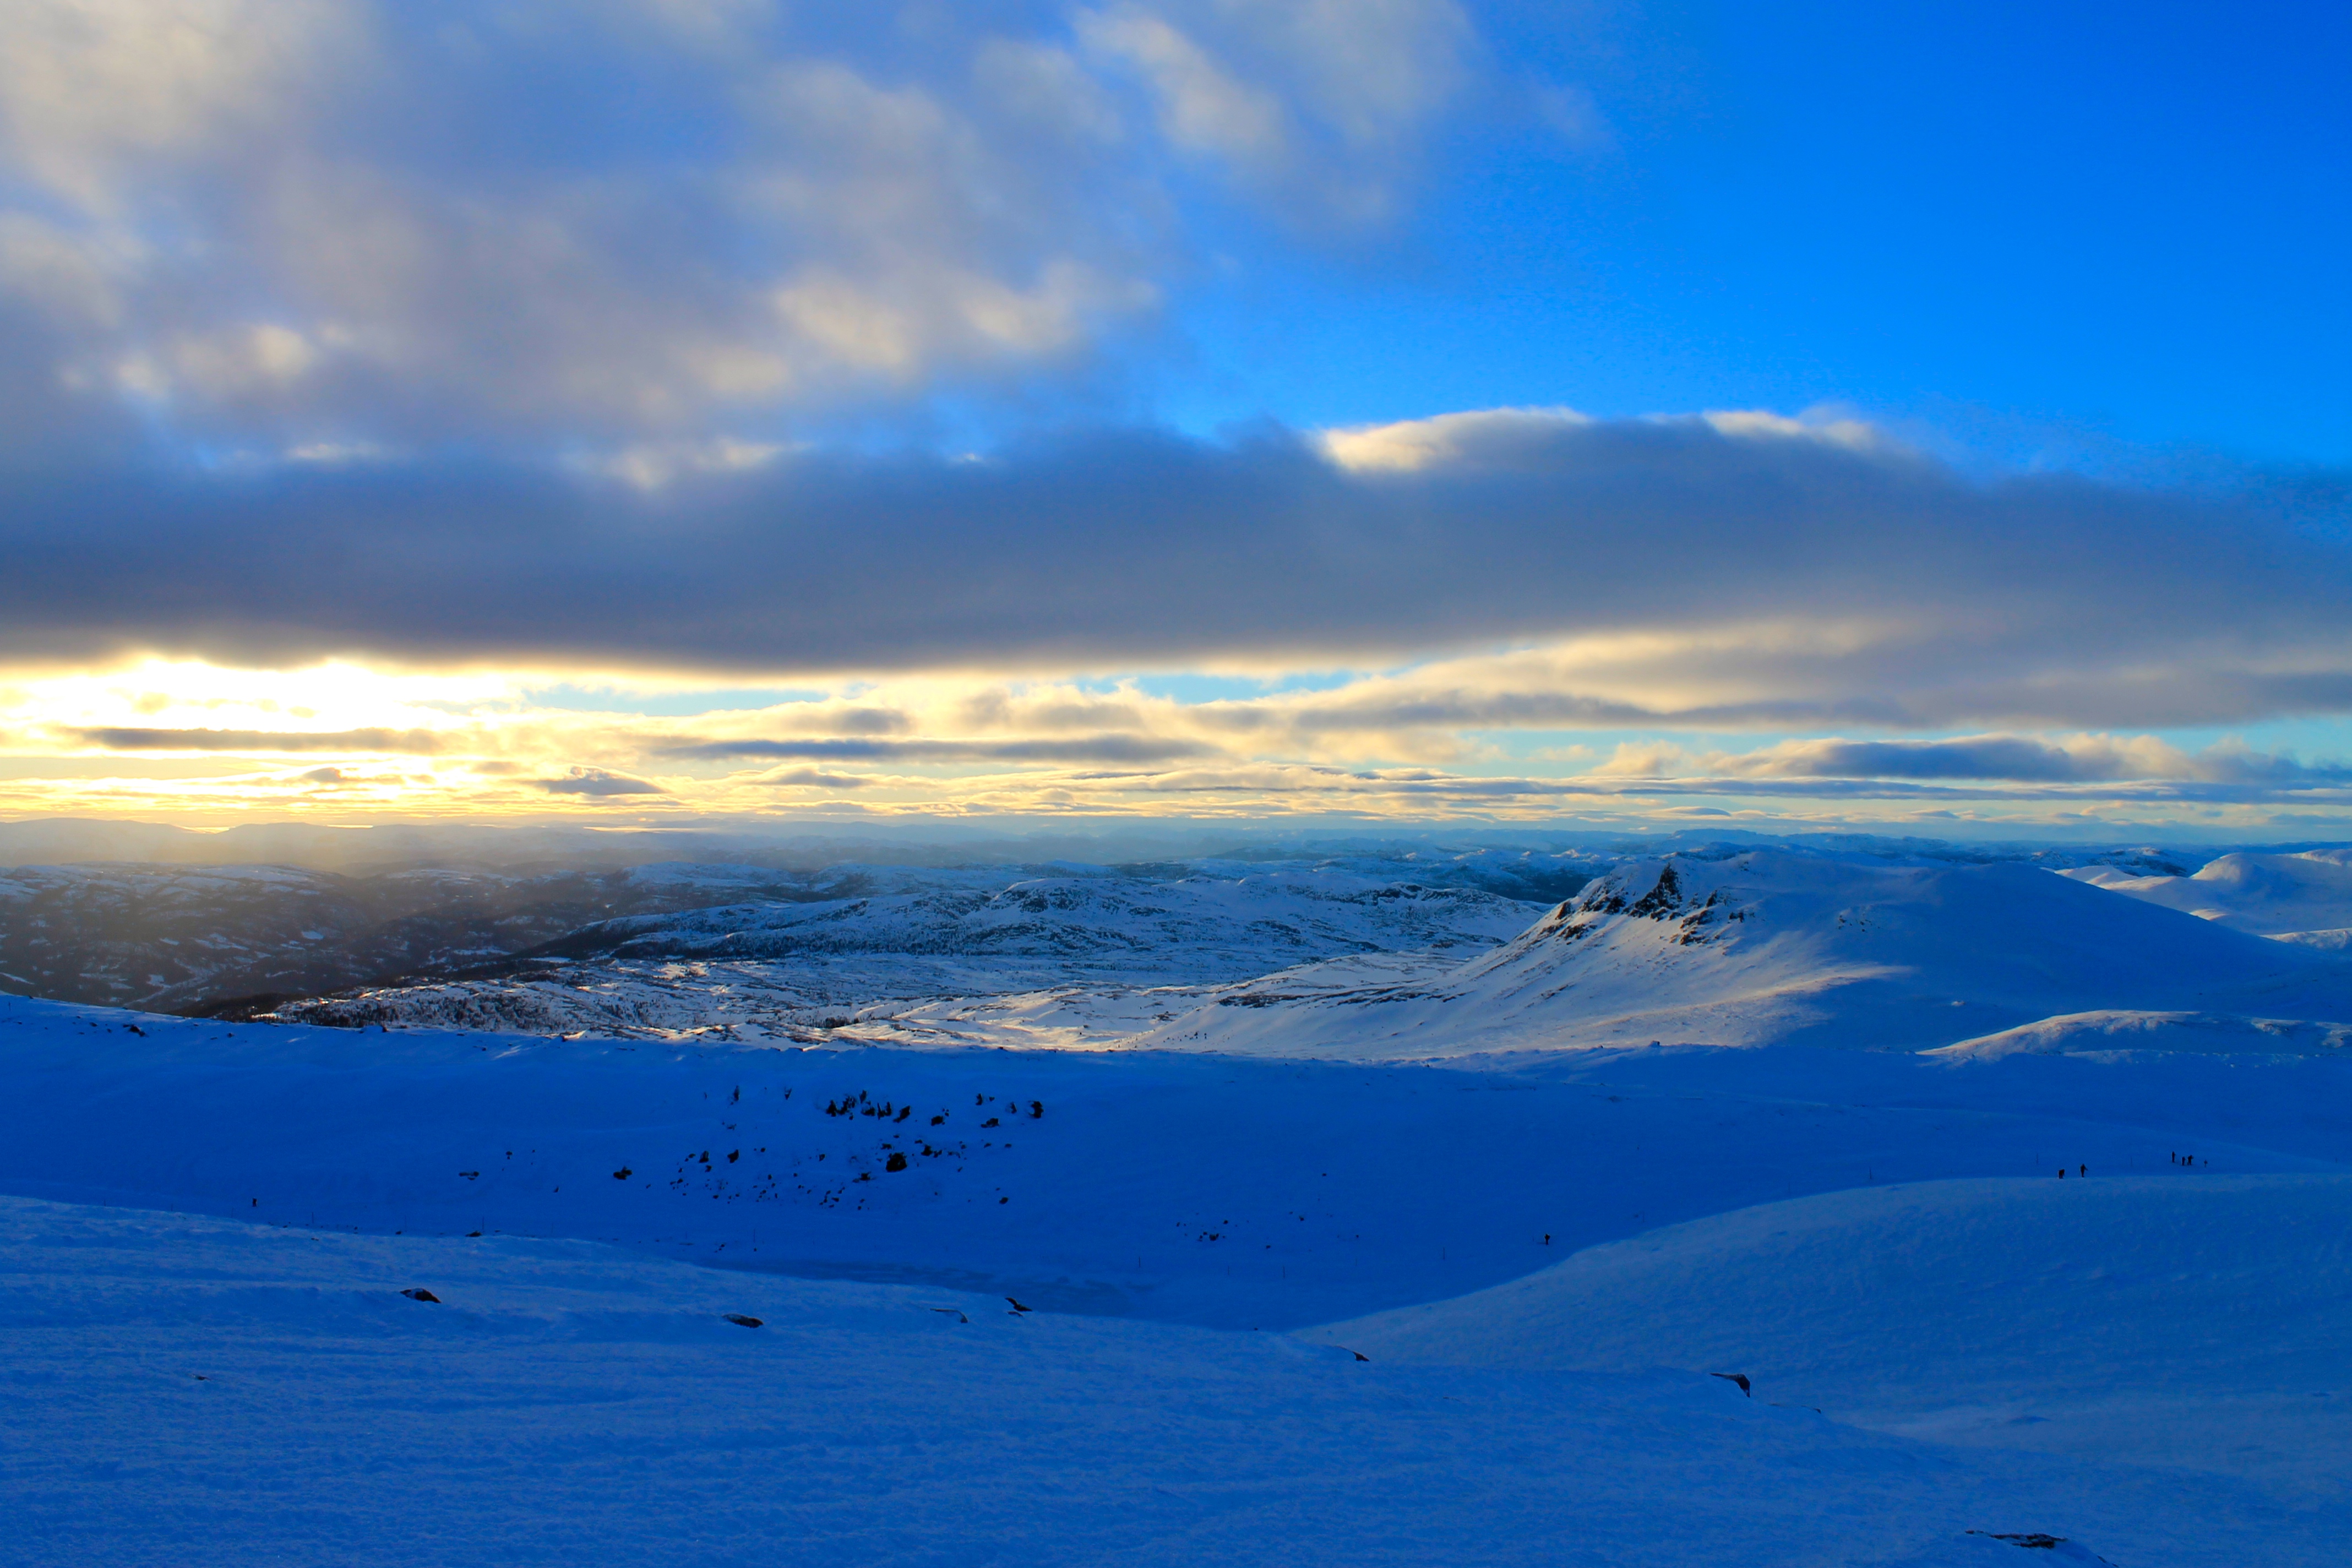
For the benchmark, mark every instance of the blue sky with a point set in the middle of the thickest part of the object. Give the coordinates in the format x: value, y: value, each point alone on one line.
x: 2032, y: 229
x: 714, y: 409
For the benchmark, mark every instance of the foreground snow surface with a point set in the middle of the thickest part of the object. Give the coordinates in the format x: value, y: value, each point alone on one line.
x: 1221, y: 1191
x: 2204, y: 1322
x: 183, y: 1390
x: 1554, y: 1250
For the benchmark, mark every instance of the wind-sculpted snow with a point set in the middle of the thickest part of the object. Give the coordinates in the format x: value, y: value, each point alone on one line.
x: 2270, y: 895
x: 1774, y: 947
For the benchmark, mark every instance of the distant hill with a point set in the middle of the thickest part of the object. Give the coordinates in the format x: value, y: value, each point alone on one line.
x: 2268, y: 895
x: 1777, y: 947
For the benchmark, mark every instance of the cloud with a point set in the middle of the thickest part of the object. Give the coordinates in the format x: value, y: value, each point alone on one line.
x: 1095, y: 748
x: 814, y: 778
x: 115, y: 739
x: 1662, y: 572
x: 323, y: 222
x: 2009, y: 759
x: 596, y: 782
x: 1693, y: 574
x: 1320, y: 105
x: 1492, y: 437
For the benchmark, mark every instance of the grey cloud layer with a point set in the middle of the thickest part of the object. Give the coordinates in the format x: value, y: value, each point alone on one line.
x: 1748, y: 579
x: 2088, y: 759
x: 420, y: 742
x: 1097, y: 748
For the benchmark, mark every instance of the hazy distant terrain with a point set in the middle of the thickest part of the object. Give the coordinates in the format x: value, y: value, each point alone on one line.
x: 174, y: 937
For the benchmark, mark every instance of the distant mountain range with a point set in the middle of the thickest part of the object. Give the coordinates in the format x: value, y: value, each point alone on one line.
x: 241, y: 939
x: 1372, y: 955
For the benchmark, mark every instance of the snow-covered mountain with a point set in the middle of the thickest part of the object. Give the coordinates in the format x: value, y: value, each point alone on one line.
x: 240, y: 939
x: 1771, y: 946
x: 781, y: 969
x: 2308, y: 893
x: 1196, y: 928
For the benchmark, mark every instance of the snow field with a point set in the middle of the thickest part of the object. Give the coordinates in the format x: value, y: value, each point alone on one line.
x: 184, y: 1389
x: 1227, y: 1192
x: 2200, y: 1321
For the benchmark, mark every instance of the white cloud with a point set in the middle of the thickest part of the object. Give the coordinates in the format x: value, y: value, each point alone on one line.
x: 1203, y: 107
x: 329, y: 220
x: 1317, y: 102
x: 652, y: 465
x: 1484, y: 436
x: 100, y: 98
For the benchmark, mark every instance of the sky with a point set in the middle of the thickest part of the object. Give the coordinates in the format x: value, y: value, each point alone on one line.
x: 1924, y: 418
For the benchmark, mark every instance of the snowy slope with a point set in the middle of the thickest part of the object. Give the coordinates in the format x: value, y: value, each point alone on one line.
x: 2115, y: 1030
x: 1202, y: 1189
x: 2189, y: 1320
x: 1772, y: 946
x: 2268, y: 895
x: 199, y: 1391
